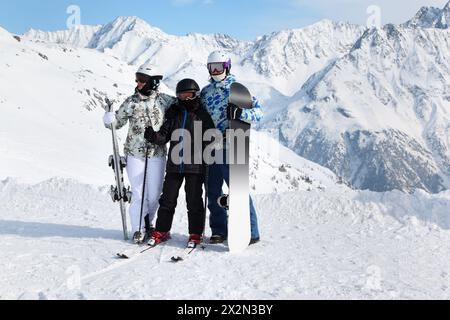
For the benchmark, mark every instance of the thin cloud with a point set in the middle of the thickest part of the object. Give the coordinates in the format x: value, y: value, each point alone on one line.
x: 356, y: 10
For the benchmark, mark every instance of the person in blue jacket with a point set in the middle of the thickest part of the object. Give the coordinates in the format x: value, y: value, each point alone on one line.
x: 215, y: 98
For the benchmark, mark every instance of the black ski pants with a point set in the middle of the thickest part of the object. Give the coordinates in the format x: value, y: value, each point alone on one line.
x: 194, y: 199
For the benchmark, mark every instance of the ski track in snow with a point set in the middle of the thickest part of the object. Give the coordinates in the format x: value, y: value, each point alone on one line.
x: 59, y: 241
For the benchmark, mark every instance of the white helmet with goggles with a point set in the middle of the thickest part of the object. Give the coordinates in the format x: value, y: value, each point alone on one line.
x: 219, y: 63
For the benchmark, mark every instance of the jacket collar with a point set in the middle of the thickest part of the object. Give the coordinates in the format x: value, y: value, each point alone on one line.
x: 195, y: 107
x: 225, y: 83
x: 141, y: 97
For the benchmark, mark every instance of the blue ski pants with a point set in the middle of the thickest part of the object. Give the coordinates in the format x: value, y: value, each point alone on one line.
x: 217, y: 174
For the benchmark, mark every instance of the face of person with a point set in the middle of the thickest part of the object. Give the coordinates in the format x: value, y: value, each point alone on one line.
x: 187, y: 95
x: 141, y: 81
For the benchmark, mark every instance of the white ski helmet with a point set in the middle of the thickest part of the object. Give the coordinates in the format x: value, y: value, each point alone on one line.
x: 149, y: 70
x: 220, y: 57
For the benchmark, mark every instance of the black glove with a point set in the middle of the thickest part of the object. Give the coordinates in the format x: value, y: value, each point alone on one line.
x: 150, y: 135
x: 171, y: 112
x: 233, y: 112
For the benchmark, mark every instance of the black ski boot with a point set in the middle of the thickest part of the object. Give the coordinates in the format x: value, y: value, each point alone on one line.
x: 138, y: 237
x: 217, y: 239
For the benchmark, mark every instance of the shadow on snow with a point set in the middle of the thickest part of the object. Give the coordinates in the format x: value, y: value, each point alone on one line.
x: 49, y: 230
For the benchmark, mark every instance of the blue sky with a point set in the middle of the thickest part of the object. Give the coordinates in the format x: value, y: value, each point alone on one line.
x: 243, y: 19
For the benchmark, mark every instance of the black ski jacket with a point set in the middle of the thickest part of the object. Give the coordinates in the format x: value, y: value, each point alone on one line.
x: 183, y: 116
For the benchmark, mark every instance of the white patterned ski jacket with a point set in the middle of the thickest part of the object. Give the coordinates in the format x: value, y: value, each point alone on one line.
x: 142, y: 112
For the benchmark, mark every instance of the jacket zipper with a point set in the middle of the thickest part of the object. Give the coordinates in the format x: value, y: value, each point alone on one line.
x: 182, y: 141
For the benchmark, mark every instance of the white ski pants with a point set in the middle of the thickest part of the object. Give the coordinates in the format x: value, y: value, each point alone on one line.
x: 153, y: 188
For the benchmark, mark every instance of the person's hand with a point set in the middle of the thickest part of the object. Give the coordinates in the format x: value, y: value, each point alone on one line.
x: 109, y: 118
x: 233, y: 112
x: 150, y: 135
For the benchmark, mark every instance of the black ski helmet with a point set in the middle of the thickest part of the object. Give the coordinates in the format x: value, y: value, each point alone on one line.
x: 187, y: 85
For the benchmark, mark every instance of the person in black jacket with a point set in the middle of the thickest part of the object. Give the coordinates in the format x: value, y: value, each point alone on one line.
x: 186, y: 115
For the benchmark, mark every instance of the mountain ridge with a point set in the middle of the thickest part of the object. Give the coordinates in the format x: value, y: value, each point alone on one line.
x: 328, y: 87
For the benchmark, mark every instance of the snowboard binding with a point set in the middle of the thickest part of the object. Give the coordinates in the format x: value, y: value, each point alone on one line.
x: 224, y: 202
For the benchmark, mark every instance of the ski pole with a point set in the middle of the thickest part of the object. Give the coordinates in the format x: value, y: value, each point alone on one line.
x: 206, y: 199
x: 143, y: 187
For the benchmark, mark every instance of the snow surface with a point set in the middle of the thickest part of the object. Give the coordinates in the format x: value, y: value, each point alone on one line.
x: 320, y: 239
x: 59, y: 239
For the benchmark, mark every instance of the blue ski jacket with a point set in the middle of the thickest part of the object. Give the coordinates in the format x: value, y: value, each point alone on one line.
x: 215, y: 98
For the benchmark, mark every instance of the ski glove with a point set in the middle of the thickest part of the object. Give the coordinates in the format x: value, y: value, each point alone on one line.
x: 150, y: 135
x: 233, y: 112
x: 109, y: 118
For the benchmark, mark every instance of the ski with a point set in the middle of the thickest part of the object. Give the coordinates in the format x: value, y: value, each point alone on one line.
x: 129, y: 254
x: 238, y: 203
x: 187, y: 253
x: 119, y: 193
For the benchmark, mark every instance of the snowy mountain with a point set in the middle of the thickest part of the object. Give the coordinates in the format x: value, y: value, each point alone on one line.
x: 373, y: 107
x: 134, y: 41
x: 431, y: 17
x: 78, y: 36
x: 55, y: 127
x: 379, y: 115
x: 282, y: 60
x: 287, y: 58
x: 368, y: 104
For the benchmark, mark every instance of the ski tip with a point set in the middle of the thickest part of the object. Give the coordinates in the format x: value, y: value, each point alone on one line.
x: 176, y: 259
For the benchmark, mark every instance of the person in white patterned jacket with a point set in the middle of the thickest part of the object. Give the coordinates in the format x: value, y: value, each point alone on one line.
x: 145, y: 108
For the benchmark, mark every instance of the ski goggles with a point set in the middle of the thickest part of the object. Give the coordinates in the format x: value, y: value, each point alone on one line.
x: 217, y: 68
x: 142, y: 79
x: 187, y: 95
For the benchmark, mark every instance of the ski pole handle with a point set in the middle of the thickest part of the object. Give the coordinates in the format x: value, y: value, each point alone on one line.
x: 109, y: 105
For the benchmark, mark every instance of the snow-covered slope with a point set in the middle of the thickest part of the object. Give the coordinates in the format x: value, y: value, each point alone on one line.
x: 379, y: 116
x: 52, y: 120
x: 287, y: 58
x: 59, y: 240
x: 6, y: 37
x: 431, y: 17
x: 78, y: 36
x: 134, y: 41
x: 387, y: 98
x: 282, y: 60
